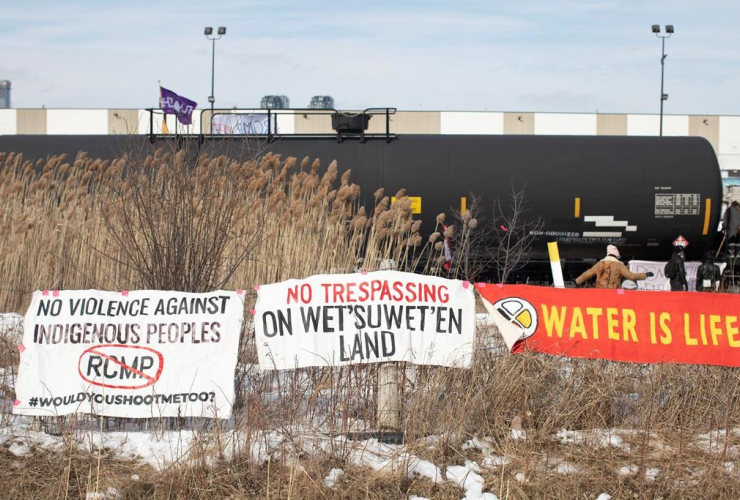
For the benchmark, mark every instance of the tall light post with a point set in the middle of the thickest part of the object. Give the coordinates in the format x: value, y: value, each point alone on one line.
x: 663, y: 55
x: 209, y: 34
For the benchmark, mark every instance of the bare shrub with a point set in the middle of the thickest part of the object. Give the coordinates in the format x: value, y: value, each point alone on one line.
x: 513, y: 233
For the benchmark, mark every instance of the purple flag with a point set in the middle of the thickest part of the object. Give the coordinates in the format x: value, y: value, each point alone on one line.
x: 177, y: 105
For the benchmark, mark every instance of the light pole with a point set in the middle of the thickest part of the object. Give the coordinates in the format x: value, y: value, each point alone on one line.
x: 209, y: 32
x: 663, y: 55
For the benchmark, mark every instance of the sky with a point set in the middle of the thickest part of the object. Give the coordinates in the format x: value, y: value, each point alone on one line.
x: 548, y: 56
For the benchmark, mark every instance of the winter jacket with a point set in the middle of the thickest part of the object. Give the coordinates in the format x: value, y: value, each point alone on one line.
x: 710, y: 273
x: 609, y: 273
x: 732, y: 221
x: 678, y: 281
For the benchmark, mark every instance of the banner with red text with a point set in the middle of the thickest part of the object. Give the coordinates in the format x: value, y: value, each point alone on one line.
x: 341, y: 319
x: 137, y: 354
x: 619, y: 325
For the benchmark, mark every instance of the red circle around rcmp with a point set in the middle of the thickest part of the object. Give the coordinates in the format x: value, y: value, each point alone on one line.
x: 118, y: 366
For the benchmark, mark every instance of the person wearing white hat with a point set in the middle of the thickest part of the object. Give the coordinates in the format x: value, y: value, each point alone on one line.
x: 610, y: 271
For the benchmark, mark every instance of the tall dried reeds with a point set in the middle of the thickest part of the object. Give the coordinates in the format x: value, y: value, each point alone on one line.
x: 556, y: 428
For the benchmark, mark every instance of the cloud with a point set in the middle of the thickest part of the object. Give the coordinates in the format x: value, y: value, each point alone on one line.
x: 575, y: 55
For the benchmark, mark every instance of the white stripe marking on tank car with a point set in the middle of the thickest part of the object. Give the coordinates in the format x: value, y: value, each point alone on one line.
x: 608, y: 221
x: 601, y: 234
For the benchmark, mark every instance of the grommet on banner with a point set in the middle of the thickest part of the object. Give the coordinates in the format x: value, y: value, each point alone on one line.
x: 21, y: 348
x: 499, y: 285
x: 620, y: 291
x: 364, y: 273
x: 45, y: 293
x: 124, y: 293
x: 256, y: 287
x: 55, y: 293
x: 253, y: 312
x: 17, y: 402
x: 481, y: 285
x: 240, y: 292
x: 466, y: 284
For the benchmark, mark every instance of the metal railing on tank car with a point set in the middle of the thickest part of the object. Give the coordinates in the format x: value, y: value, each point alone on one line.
x: 240, y: 123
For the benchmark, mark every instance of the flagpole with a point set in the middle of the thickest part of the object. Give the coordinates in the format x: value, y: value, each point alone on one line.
x: 165, y: 130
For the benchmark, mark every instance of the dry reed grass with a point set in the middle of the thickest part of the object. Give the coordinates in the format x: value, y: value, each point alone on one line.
x: 197, y: 222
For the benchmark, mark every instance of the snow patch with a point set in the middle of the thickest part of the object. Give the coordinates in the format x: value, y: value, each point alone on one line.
x: 425, y: 468
x: 518, y: 434
x: 10, y: 322
x: 331, y: 479
x: 379, y: 456
x: 559, y: 466
x: 109, y: 494
x: 19, y: 449
x: 469, y: 481
x: 566, y: 468
x: 477, y: 444
x: 651, y: 474
x: 599, y: 438
x: 496, y: 461
x: 628, y: 470
x: 729, y: 467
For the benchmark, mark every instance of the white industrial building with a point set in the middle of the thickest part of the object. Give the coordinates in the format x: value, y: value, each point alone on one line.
x: 722, y: 132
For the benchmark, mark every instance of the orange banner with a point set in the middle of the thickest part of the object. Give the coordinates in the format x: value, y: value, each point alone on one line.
x: 619, y: 325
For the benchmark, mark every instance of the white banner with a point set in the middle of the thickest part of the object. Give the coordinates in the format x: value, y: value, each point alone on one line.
x: 341, y: 319
x: 659, y: 280
x: 243, y: 124
x: 129, y: 354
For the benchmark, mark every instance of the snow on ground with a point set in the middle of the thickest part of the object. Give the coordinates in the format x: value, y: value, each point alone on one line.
x: 628, y: 470
x: 109, y: 494
x: 518, y: 434
x: 469, y: 480
x: 160, y: 449
x: 651, y: 474
x: 333, y: 477
x: 596, y: 438
x: 392, y: 458
x: 714, y: 442
x: 496, y: 461
x: 10, y: 321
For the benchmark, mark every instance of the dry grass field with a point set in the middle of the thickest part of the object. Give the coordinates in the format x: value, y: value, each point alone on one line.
x: 525, y: 426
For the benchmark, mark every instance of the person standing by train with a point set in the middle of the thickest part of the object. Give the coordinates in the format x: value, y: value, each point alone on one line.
x: 731, y: 224
x: 610, y: 271
x: 708, y: 274
x: 675, y: 269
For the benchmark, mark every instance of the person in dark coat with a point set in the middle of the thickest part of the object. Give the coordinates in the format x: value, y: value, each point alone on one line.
x: 731, y: 223
x: 675, y: 270
x: 708, y: 274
